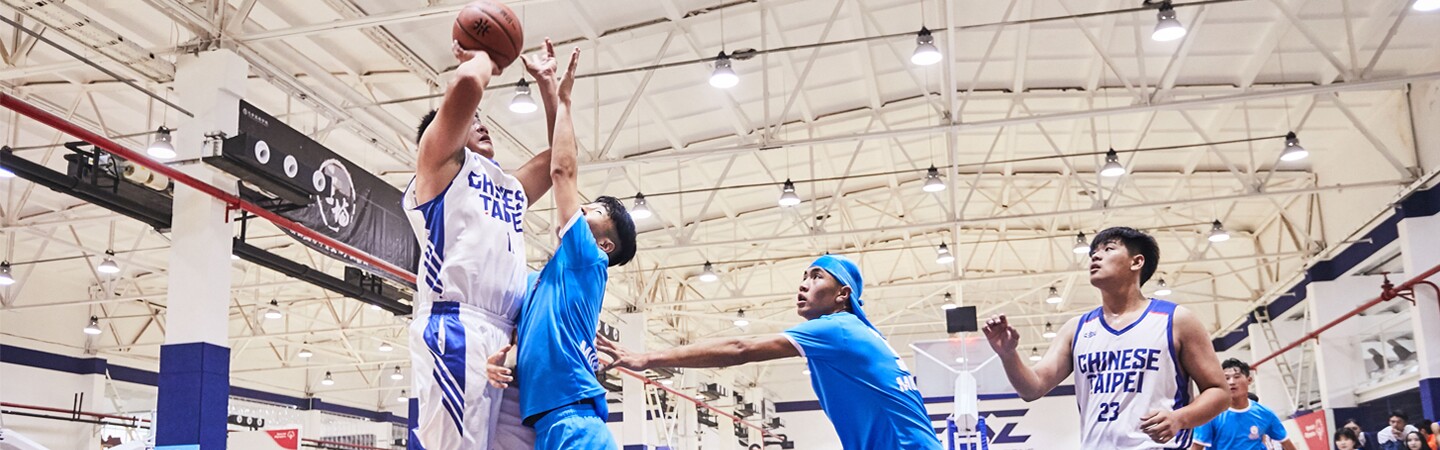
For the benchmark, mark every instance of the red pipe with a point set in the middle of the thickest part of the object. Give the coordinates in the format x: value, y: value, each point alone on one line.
x: 1387, y: 294
x: 233, y: 201
x: 33, y: 112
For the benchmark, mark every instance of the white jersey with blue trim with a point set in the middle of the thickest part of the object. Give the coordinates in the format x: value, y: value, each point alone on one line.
x: 1122, y: 375
x: 472, y: 243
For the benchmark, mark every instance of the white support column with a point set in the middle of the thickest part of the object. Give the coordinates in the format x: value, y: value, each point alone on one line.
x: 636, y: 432
x: 1419, y: 252
x: 1335, y: 355
x: 195, y: 361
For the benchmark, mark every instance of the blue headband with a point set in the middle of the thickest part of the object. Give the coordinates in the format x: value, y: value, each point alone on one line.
x: 847, y: 274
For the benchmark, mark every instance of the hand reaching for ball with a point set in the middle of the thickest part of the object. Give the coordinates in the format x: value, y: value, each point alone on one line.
x: 477, y: 56
x: 567, y: 79
x: 542, y: 65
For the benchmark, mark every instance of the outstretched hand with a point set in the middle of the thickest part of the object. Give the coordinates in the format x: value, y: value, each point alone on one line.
x: 499, y: 375
x: 542, y: 65
x: 567, y: 79
x: 1001, y: 335
x: 619, y: 356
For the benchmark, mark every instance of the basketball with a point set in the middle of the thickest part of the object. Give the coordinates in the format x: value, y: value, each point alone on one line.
x: 492, y: 27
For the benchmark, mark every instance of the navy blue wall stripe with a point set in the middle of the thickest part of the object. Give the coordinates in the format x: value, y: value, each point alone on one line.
x: 1419, y: 204
x: 94, y: 366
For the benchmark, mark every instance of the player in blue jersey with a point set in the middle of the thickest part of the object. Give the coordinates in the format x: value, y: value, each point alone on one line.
x: 1134, y: 358
x: 559, y: 394
x: 1247, y: 424
x: 863, y: 385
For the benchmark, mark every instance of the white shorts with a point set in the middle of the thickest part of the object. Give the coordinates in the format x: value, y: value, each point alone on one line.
x: 457, y: 407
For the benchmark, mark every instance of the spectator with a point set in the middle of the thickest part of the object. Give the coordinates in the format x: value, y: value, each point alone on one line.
x: 1434, y: 435
x: 1393, y: 436
x: 1415, y: 440
x: 1247, y: 424
x: 1345, y: 440
x: 1366, y: 439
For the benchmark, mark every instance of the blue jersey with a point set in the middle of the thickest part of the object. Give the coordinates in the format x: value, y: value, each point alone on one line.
x: 1241, y: 429
x: 863, y: 386
x: 556, y: 336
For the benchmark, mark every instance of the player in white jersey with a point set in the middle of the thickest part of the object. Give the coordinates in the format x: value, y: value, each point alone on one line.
x: 468, y: 214
x: 1133, y: 357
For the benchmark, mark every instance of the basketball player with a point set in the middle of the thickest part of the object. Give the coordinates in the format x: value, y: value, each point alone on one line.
x: 863, y: 385
x: 467, y: 213
x: 559, y: 394
x: 1133, y: 357
x: 1246, y: 424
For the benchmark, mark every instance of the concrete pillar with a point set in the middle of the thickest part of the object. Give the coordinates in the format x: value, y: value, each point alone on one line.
x: 1419, y: 252
x: 635, y: 430
x: 1335, y: 356
x: 195, y: 361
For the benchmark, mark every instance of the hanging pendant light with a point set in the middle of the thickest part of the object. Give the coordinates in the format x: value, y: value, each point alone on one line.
x: 1082, y: 247
x: 641, y: 210
x: 108, y: 266
x: 1054, y: 298
x: 1293, y: 151
x: 1426, y: 5
x: 933, y: 182
x: 522, y: 103
x: 723, y: 77
x: 788, y: 197
x: 5, y: 278
x: 1112, y: 167
x: 273, y: 312
x: 1049, y: 331
x: 925, y: 51
x: 949, y: 302
x: 161, y: 147
x: 740, y: 320
x: 943, y: 255
x: 93, y: 327
x: 1164, y: 289
x: 397, y: 376
x: 1168, y: 28
x: 1034, y: 354
x: 304, y: 353
x: 708, y: 275
x: 328, y: 380
x: 385, y: 346
x: 1218, y: 233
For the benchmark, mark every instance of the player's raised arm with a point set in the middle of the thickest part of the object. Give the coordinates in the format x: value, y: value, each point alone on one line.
x: 564, y: 167
x: 442, y: 144
x: 716, y: 353
x: 1031, y: 382
x: 534, y: 175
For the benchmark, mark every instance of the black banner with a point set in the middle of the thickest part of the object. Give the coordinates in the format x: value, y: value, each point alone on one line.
x: 345, y: 202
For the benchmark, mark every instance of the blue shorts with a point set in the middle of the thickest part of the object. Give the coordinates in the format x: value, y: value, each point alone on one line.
x: 574, y: 427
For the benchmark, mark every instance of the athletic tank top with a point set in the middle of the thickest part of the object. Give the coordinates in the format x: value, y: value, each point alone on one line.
x: 1121, y: 375
x: 472, y: 243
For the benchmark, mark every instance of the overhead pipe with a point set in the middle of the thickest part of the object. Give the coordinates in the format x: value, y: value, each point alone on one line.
x: 231, y: 200
x: 1387, y: 292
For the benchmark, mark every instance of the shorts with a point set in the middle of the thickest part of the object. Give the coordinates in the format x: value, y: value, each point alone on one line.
x: 574, y: 427
x: 456, y: 409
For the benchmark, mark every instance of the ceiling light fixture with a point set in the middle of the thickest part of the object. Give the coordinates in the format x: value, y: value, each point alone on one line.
x: 1218, y: 233
x: 740, y: 320
x: 161, y: 148
x: 1293, y: 151
x: 1426, y: 5
x: 328, y: 381
x: 925, y: 51
x: 708, y: 275
x: 933, y: 183
x: 1054, y: 298
x: 1082, y: 247
x: 949, y: 302
x: 108, y: 266
x: 522, y: 103
x: 1034, y: 354
x: 642, y: 208
x: 1168, y: 28
x: 273, y: 312
x: 93, y: 328
x: 1112, y: 167
x: 385, y: 346
x: 397, y: 376
x: 943, y: 255
x: 1049, y: 331
x: 723, y: 77
x: 1164, y: 289
x: 304, y: 353
x: 788, y: 197
x: 5, y: 278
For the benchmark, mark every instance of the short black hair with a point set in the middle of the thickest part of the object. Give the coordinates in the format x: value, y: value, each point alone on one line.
x: 424, y: 123
x: 1253, y: 397
x: 1400, y: 414
x: 624, y: 230
x: 1345, y: 433
x: 1233, y: 363
x: 1137, y: 242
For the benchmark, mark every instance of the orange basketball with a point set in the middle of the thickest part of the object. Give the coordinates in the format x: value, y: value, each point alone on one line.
x: 490, y: 26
